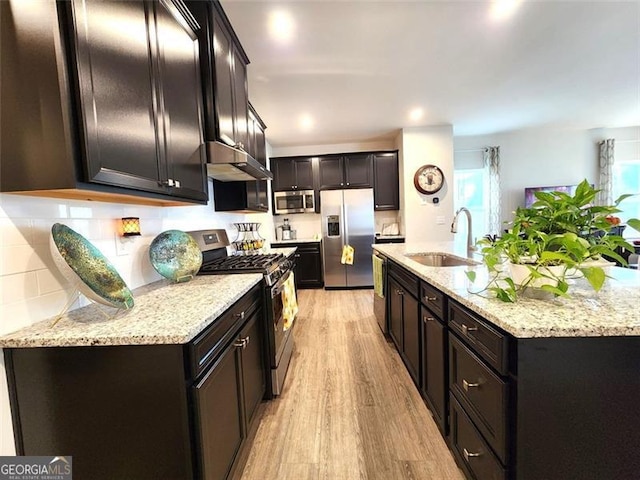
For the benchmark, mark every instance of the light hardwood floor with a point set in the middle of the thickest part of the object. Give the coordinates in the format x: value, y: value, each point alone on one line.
x: 349, y: 409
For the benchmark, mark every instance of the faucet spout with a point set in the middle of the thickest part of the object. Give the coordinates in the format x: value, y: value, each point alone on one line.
x: 454, y: 228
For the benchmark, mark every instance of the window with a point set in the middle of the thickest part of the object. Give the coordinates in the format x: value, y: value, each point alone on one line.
x: 471, y: 190
x: 626, y: 179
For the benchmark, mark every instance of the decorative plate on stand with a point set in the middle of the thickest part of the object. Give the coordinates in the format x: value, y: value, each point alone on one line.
x: 78, y: 259
x: 175, y: 255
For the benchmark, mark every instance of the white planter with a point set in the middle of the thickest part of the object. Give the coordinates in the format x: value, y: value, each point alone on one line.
x: 520, y: 274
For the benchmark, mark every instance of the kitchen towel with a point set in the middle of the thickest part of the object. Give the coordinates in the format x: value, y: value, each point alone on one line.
x: 347, y: 255
x: 289, y: 302
x: 377, y: 276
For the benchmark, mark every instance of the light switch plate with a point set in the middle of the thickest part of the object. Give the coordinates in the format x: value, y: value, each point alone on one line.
x: 124, y: 245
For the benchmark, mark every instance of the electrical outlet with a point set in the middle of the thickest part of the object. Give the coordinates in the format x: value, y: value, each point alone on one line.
x: 440, y: 220
x: 124, y: 245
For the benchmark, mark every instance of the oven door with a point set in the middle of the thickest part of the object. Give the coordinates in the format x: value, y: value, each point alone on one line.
x: 280, y: 335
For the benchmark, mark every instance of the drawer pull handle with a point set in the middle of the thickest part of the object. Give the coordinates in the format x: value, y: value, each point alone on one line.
x: 240, y: 315
x: 246, y: 340
x: 468, y: 454
x: 399, y: 292
x: 431, y: 299
x: 240, y: 343
x: 428, y: 319
x: 466, y: 329
x: 466, y: 385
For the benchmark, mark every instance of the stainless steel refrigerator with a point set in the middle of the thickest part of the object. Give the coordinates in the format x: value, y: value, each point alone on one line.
x: 347, y: 219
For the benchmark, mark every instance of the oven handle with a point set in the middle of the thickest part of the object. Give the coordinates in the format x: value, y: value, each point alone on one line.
x: 279, y: 286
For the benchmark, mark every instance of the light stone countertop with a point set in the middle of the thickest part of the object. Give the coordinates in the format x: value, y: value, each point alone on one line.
x: 613, y: 311
x: 299, y: 240
x: 164, y: 313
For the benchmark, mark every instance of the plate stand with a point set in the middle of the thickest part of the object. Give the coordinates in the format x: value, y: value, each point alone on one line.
x: 75, y: 296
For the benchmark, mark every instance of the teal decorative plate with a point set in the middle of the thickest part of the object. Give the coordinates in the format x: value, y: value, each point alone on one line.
x: 77, y: 258
x: 175, y: 255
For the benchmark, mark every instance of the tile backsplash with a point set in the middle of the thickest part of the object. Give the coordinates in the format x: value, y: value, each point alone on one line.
x: 33, y: 289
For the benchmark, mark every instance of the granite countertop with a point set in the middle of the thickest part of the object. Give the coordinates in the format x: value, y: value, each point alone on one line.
x: 298, y: 240
x: 613, y: 311
x: 164, y: 313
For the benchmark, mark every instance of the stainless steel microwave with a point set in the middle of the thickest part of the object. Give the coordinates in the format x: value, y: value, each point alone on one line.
x: 302, y: 201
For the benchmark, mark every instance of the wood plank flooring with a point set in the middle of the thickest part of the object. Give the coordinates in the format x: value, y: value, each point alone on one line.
x: 349, y: 409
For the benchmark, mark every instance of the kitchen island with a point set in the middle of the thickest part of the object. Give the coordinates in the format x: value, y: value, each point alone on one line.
x: 537, y: 389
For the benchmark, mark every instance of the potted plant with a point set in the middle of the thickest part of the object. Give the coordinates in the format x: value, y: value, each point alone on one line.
x: 559, y: 236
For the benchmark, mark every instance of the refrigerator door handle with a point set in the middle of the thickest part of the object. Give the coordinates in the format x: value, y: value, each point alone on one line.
x: 345, y: 222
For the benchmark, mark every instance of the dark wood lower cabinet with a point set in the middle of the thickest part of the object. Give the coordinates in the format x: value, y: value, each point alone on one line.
x: 309, y: 272
x: 411, y: 330
x: 219, y: 416
x: 395, y: 313
x: 434, y: 367
x: 145, y: 412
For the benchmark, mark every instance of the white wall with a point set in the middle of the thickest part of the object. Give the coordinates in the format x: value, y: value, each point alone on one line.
x: 32, y: 289
x: 542, y: 157
x: 422, y: 219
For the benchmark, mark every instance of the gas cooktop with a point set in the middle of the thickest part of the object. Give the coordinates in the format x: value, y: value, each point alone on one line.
x: 257, y: 263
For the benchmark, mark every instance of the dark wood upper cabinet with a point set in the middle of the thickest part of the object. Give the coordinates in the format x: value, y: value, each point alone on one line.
x: 354, y: 170
x: 292, y: 174
x: 127, y: 108
x: 250, y: 196
x: 386, y: 185
x: 224, y: 75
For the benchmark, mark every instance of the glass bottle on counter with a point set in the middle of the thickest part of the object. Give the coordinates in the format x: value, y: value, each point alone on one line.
x: 286, y: 230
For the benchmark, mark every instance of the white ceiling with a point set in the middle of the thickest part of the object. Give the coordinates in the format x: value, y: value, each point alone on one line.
x: 358, y: 67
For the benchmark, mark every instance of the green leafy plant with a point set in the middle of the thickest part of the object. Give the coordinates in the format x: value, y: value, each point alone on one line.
x: 558, y: 236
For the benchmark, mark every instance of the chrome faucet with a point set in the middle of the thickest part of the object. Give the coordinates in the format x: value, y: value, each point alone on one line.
x: 454, y: 228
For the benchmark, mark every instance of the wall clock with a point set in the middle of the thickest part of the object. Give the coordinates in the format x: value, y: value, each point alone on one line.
x: 428, y: 179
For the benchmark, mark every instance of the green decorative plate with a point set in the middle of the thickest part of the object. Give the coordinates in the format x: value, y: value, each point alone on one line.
x: 78, y: 259
x: 175, y: 255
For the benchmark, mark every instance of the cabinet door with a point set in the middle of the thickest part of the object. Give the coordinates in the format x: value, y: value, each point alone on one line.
x: 118, y: 107
x: 395, y: 312
x: 223, y: 79
x: 304, y: 174
x: 308, y: 271
x: 358, y: 171
x: 250, y: 147
x: 260, y: 145
x: 434, y: 366
x: 331, y: 173
x: 386, y: 187
x: 181, y: 97
x: 241, y: 100
x: 218, y: 407
x: 253, y: 369
x: 283, y: 174
x: 411, y: 331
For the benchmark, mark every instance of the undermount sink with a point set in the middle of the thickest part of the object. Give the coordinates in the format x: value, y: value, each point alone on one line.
x: 440, y: 259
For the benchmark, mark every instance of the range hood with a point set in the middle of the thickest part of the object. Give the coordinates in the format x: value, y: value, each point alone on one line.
x: 230, y: 164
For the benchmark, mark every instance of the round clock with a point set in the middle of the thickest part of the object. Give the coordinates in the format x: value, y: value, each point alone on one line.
x: 428, y: 179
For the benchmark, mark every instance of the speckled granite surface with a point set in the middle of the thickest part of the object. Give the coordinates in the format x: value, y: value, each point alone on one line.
x: 614, y: 311
x: 164, y: 313
x: 299, y: 240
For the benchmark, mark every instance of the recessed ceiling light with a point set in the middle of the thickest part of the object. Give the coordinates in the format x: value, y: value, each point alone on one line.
x: 503, y: 9
x: 416, y: 114
x: 281, y: 26
x: 306, y: 122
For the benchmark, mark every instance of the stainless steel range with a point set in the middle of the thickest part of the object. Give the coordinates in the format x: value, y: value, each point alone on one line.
x: 276, y: 269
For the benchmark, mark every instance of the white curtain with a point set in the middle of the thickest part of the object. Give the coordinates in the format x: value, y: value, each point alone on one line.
x: 605, y: 197
x: 491, y: 158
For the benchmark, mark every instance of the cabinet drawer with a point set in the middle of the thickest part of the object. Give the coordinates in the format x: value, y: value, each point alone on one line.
x: 433, y: 298
x: 404, y: 278
x: 482, y: 392
x: 204, y: 349
x: 486, y: 341
x: 472, y: 451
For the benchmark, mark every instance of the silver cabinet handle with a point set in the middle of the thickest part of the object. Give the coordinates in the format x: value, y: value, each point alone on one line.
x: 428, y: 319
x: 348, y: 183
x: 240, y: 343
x: 468, y: 454
x: 466, y: 385
x: 399, y: 292
x: 431, y: 299
x: 168, y: 182
x: 177, y: 183
x: 239, y: 315
x: 246, y: 340
x: 377, y: 206
x: 466, y: 329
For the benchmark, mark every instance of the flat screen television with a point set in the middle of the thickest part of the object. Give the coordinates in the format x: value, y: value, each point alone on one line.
x: 530, y: 197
